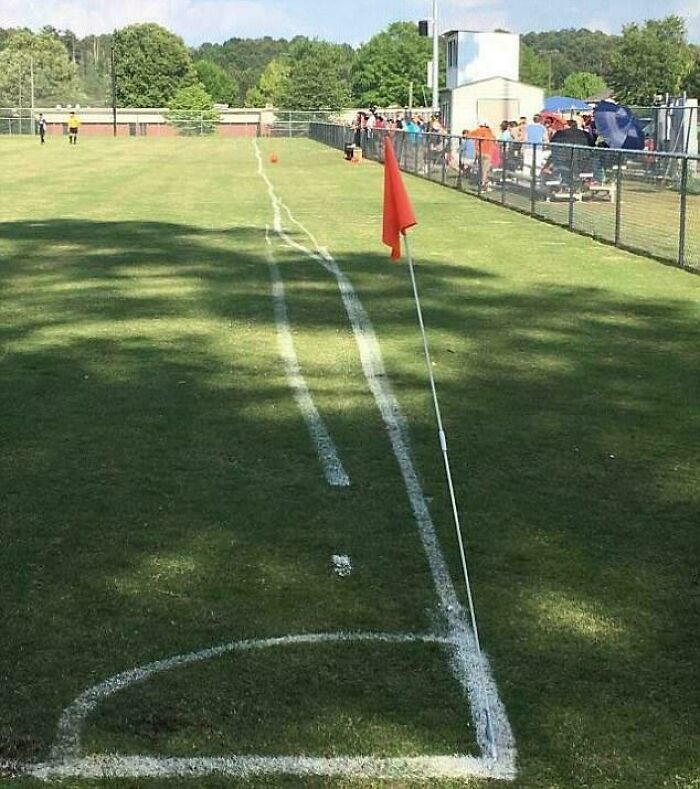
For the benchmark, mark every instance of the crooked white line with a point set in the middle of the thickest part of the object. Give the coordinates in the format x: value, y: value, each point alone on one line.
x: 476, y: 681
x: 325, y: 448
x: 496, y: 741
x: 420, y: 768
x: 70, y: 725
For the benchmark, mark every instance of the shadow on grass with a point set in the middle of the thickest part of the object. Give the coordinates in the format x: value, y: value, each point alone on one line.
x: 160, y: 492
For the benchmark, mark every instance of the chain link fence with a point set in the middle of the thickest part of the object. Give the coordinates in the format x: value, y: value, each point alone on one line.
x: 16, y: 122
x: 641, y: 201
x: 291, y: 123
x: 158, y: 122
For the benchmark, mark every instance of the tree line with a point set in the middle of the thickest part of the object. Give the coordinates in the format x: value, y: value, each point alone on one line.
x: 154, y: 67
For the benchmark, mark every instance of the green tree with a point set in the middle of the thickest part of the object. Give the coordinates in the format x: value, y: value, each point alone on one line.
x: 651, y: 59
x: 151, y: 65
x: 244, y: 59
x: 388, y: 62
x: 534, y: 69
x: 271, y: 85
x: 96, y: 69
x: 692, y: 83
x: 55, y: 77
x: 573, y: 50
x: 582, y: 84
x: 221, y: 86
x: 319, y: 76
x: 192, y: 111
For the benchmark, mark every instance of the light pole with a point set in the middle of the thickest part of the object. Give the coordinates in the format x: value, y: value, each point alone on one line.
x: 549, y: 53
x: 114, y: 86
x: 436, y: 60
x: 31, y: 83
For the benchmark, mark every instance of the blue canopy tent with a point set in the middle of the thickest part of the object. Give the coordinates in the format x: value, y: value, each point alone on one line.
x: 565, y: 104
x: 618, y: 126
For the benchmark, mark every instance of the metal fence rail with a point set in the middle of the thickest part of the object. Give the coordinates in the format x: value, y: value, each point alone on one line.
x: 641, y: 201
x: 161, y: 122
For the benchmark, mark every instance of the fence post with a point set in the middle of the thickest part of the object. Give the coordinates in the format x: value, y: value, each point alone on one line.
x: 444, y: 159
x: 571, y: 189
x: 503, y: 173
x: 684, y: 211
x: 618, y: 200
x: 460, y: 165
x: 533, y: 180
x: 479, y: 167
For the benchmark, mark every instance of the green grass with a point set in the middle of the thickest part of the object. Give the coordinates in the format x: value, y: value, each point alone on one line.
x: 160, y: 492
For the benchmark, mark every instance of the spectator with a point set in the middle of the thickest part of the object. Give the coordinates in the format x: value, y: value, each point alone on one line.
x: 505, y: 134
x: 589, y: 129
x: 520, y: 130
x: 570, y: 135
x: 536, y: 132
x: 467, y: 147
x: 357, y: 127
x: 570, y: 162
x: 488, y: 154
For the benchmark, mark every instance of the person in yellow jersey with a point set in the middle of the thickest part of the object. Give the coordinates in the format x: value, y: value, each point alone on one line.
x: 73, y: 127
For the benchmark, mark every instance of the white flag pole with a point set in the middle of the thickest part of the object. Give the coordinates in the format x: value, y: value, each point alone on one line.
x: 450, y: 484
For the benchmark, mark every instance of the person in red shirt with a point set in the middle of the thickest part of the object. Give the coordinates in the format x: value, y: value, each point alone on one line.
x: 487, y: 150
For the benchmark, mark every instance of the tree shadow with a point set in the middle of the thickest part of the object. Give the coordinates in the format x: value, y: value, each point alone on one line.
x: 149, y: 439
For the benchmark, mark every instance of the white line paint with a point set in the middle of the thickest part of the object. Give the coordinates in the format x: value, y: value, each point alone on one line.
x: 72, y: 721
x: 66, y: 762
x: 342, y: 565
x: 422, y: 768
x: 336, y: 475
x: 475, y: 678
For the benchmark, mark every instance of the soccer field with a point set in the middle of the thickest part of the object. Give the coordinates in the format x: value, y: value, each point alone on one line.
x: 194, y: 419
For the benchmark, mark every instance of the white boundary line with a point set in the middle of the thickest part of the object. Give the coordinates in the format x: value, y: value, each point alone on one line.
x: 245, y: 767
x: 475, y: 679
x: 500, y: 755
x: 72, y: 721
x: 66, y: 762
x: 336, y: 475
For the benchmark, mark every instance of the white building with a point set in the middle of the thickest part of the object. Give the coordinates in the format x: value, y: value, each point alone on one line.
x: 483, y: 73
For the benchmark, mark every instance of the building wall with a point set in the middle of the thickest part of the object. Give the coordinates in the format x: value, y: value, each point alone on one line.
x: 495, y: 98
x: 481, y: 56
x: 151, y: 130
x: 90, y: 116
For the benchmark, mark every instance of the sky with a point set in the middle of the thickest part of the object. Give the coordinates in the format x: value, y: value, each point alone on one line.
x: 352, y: 22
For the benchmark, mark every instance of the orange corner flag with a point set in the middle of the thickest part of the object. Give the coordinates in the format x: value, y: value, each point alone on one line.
x: 398, y: 212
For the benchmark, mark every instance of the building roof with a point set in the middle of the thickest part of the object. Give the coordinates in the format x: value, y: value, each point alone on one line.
x: 604, y: 96
x: 490, y: 32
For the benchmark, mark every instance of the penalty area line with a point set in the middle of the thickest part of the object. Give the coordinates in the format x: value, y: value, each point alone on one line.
x: 67, y: 746
x: 143, y: 767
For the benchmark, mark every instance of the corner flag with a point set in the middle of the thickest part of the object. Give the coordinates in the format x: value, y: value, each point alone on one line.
x: 398, y: 212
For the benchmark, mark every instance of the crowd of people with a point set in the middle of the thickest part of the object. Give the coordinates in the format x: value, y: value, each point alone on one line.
x: 482, y: 150
x: 366, y: 123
